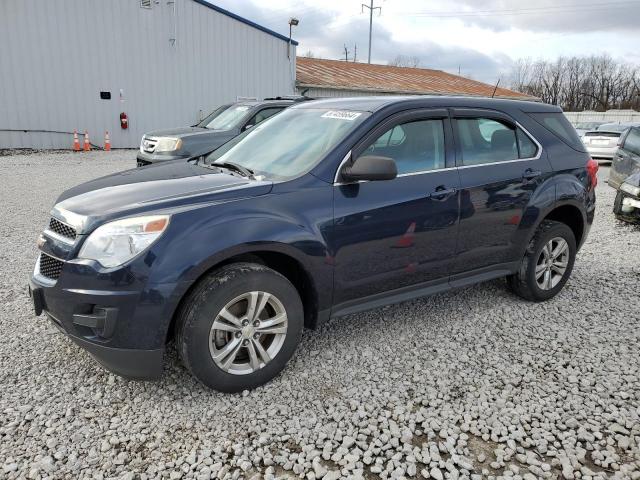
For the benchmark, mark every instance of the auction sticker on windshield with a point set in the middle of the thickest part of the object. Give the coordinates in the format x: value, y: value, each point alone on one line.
x: 341, y: 115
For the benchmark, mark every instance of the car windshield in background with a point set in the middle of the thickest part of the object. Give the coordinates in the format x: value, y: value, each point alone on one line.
x: 206, y: 120
x: 613, y: 127
x: 229, y: 118
x: 289, y: 144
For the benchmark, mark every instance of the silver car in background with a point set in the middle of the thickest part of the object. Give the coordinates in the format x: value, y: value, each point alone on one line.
x: 584, y: 127
x: 602, y: 143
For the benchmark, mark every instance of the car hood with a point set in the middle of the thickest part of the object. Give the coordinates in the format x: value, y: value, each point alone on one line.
x: 165, y: 186
x: 183, y: 132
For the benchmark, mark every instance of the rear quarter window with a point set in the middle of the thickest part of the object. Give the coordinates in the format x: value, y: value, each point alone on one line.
x: 558, y: 124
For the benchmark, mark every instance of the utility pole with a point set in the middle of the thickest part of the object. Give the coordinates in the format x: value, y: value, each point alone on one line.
x: 346, y: 53
x: 355, y: 52
x: 371, y: 9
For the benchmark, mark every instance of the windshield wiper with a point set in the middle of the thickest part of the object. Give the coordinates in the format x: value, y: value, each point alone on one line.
x: 244, y: 171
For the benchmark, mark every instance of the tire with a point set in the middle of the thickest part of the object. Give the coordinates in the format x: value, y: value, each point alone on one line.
x: 526, y: 282
x: 235, y: 288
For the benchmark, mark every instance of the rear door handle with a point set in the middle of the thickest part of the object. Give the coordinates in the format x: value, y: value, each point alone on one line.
x: 441, y: 192
x: 530, y: 173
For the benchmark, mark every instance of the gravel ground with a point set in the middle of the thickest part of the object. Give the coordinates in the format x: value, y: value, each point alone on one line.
x: 470, y: 384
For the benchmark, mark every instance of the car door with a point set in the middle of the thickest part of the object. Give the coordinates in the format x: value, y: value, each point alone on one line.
x: 627, y: 158
x: 501, y: 166
x: 398, y: 233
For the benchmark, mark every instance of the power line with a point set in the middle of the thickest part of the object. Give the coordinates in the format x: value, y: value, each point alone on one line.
x: 522, y: 11
x: 371, y: 9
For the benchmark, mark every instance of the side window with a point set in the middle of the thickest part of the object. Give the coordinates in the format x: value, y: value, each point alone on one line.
x: 485, y: 140
x: 526, y: 147
x: 415, y: 146
x: 632, y: 142
x: 263, y: 115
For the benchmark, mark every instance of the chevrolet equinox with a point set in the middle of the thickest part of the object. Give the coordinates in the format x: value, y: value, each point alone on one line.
x: 329, y: 208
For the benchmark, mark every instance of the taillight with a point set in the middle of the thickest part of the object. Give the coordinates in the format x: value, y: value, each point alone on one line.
x: 592, y: 171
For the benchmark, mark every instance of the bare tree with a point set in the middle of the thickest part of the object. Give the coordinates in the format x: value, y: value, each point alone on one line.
x: 309, y: 54
x: 405, y: 61
x: 579, y: 83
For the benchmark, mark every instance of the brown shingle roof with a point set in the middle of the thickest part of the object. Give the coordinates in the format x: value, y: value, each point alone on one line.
x: 336, y: 74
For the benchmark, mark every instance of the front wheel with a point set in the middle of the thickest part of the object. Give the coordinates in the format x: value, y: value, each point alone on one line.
x: 547, y: 263
x: 239, y: 327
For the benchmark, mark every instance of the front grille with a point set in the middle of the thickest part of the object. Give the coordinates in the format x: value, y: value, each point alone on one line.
x: 50, y: 267
x: 148, y: 145
x: 62, y: 229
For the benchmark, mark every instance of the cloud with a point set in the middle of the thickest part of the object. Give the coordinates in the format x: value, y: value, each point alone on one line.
x: 547, y: 16
x: 480, y: 38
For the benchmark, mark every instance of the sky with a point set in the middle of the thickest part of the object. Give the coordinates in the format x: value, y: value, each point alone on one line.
x: 479, y: 38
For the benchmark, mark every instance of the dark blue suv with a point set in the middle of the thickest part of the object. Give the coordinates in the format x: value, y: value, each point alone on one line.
x: 329, y: 208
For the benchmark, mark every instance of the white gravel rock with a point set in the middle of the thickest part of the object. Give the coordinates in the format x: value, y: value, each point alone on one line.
x: 470, y: 384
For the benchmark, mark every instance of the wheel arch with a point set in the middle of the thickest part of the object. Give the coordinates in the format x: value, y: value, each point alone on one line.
x: 282, y: 258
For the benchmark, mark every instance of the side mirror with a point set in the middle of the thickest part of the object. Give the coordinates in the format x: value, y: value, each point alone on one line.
x: 370, y: 167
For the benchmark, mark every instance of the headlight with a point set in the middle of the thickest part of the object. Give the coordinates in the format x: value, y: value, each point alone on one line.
x: 117, y: 242
x: 167, y: 144
x: 627, y: 187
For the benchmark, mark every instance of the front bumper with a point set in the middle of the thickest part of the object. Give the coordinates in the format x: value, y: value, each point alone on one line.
x: 124, y: 329
x: 627, y: 207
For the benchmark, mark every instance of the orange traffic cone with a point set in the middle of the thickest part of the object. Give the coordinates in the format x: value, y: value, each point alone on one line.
x: 406, y: 240
x: 107, y: 142
x: 87, y: 145
x: 76, y: 142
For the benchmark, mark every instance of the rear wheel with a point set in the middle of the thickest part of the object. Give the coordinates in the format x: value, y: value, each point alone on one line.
x: 239, y: 327
x: 547, y: 263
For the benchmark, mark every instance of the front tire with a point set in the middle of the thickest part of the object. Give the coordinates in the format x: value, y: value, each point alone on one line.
x: 547, y: 263
x: 239, y: 327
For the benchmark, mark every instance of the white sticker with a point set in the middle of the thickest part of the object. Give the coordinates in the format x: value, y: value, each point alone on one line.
x: 341, y: 115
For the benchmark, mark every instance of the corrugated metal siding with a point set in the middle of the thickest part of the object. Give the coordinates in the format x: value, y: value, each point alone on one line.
x: 58, y: 56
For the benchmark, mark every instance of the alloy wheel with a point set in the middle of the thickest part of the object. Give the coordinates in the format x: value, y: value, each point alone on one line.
x: 248, y: 333
x: 552, y: 263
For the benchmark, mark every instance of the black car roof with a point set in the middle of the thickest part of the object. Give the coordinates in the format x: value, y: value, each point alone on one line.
x: 372, y: 104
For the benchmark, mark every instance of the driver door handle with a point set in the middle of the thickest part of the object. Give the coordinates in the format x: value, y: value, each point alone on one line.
x: 441, y: 192
x: 530, y: 173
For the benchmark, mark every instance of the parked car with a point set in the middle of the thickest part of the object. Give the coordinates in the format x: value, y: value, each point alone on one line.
x: 224, y: 123
x: 602, y: 143
x: 624, y: 176
x: 584, y: 127
x: 331, y: 207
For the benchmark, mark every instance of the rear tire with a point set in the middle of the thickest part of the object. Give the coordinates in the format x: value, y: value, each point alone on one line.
x: 547, y: 263
x: 239, y: 327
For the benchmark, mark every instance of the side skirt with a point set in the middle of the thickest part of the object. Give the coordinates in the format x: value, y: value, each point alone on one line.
x: 424, y: 289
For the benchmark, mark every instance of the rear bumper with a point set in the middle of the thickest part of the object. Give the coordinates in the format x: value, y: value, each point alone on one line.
x: 606, y: 153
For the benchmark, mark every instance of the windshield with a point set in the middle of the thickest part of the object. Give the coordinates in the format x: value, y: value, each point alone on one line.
x: 288, y: 144
x: 228, y: 118
x: 205, y: 121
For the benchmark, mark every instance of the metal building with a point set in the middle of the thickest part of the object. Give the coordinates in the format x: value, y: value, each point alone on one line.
x: 80, y: 64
